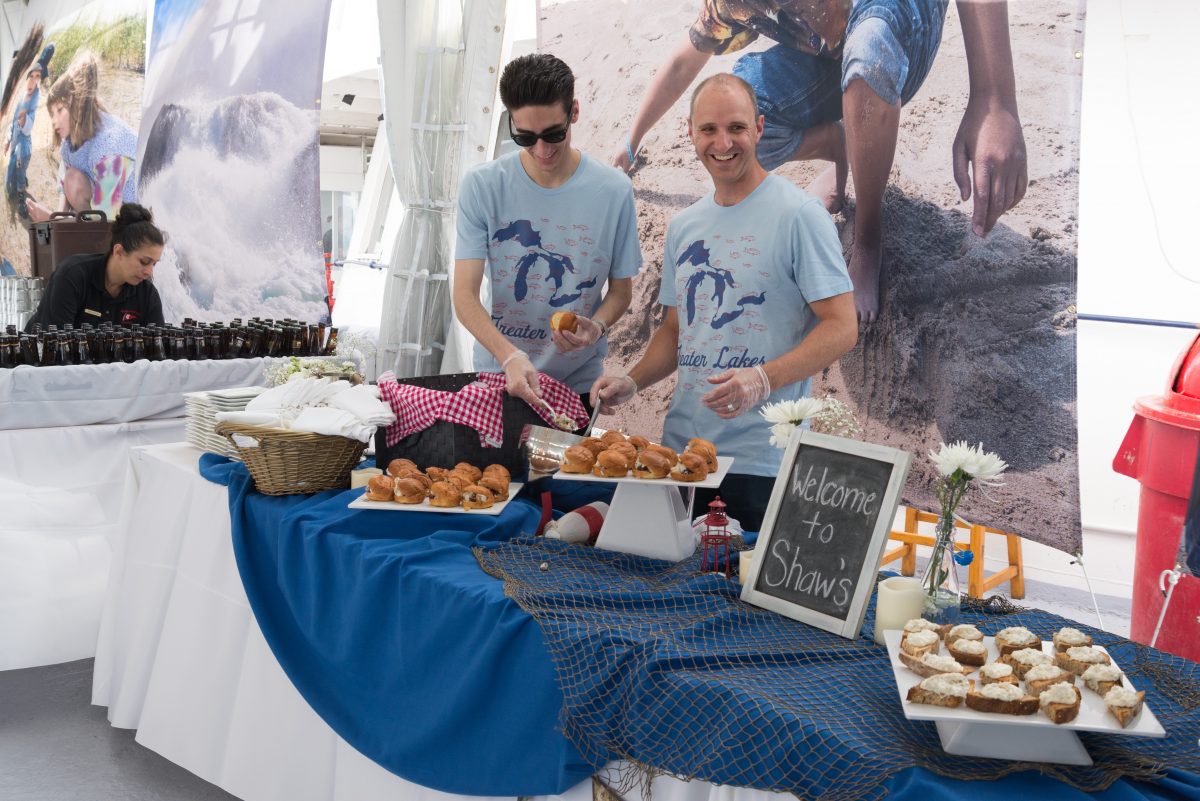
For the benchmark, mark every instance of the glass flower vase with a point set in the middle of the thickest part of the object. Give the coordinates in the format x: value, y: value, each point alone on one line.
x: 943, y: 593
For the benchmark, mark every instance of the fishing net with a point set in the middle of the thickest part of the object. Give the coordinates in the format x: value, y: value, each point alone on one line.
x: 665, y: 668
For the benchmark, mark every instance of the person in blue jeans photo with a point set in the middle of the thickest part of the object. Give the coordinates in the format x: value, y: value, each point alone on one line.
x: 831, y: 89
x: 18, y: 145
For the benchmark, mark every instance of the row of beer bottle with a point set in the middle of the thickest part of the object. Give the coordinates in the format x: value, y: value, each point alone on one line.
x: 191, y: 340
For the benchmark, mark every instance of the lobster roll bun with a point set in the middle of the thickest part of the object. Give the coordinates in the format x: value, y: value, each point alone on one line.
x: 564, y: 321
x: 499, y: 470
x: 445, y: 495
x: 625, y: 449
x: 671, y: 456
x: 379, y: 488
x: 409, y: 490
x: 497, y: 485
x: 398, y: 466
x: 611, y: 464
x: 468, y: 469
x: 691, y: 467
x: 593, y: 444
x: 651, y: 465
x: 611, y: 437
x: 708, y: 452
x: 477, y: 497
x: 578, y: 459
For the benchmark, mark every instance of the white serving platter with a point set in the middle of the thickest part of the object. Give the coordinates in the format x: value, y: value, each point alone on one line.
x: 360, y: 502
x: 236, y: 393
x: 712, y: 481
x: 1030, y: 738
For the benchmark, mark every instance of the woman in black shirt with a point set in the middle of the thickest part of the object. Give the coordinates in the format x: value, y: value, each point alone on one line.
x: 108, y: 287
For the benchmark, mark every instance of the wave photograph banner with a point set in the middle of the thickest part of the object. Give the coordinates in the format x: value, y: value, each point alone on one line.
x: 230, y: 157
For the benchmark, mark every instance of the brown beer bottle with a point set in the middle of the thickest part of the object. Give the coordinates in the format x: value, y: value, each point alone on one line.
x: 85, y: 351
x: 137, y: 350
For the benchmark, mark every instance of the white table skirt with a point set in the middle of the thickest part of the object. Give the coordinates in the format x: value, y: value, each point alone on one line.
x: 77, y: 395
x: 65, y: 435
x: 60, y: 492
x: 181, y: 659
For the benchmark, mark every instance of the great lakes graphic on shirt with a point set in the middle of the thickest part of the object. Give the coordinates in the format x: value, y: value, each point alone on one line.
x: 538, y: 270
x: 697, y: 255
x: 720, y: 319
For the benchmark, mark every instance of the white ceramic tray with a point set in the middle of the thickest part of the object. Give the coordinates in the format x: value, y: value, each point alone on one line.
x: 712, y: 481
x: 236, y: 393
x: 1033, y: 738
x: 361, y: 502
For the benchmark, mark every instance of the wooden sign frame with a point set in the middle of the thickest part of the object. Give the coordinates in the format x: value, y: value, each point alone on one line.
x: 850, y: 627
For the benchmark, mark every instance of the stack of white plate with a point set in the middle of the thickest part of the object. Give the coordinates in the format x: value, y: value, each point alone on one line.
x: 202, y: 408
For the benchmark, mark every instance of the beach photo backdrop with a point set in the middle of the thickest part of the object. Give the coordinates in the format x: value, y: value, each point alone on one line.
x: 976, y: 336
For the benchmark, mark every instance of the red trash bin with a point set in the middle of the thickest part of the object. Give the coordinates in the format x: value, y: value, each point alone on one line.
x: 1160, y: 451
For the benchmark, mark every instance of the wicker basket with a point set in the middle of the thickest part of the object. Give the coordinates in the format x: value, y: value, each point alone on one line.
x: 291, y: 462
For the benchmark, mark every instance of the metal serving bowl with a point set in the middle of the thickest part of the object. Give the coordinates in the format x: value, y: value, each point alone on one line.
x: 544, y: 448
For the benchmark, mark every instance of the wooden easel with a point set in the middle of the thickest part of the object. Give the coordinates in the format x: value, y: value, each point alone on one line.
x: 977, y: 582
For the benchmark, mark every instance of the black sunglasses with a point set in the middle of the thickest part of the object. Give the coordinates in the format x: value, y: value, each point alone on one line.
x: 551, y: 137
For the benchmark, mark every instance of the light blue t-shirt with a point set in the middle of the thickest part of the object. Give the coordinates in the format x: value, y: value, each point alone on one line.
x: 547, y: 250
x: 741, y: 278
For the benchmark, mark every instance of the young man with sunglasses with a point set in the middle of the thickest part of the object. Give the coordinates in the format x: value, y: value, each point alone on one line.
x: 553, y: 231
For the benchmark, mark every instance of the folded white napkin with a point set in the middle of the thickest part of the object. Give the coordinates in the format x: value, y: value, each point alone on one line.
x: 270, y: 399
x: 297, y: 393
x: 273, y: 419
x: 332, y: 422
x: 364, y: 404
x: 319, y: 405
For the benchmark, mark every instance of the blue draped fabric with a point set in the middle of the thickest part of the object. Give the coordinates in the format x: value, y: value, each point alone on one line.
x: 386, y: 625
x: 389, y: 629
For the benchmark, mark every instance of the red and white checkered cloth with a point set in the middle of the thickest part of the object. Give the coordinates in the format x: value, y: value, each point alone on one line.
x: 479, y: 405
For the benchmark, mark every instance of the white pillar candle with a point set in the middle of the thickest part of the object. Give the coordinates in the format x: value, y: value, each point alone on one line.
x: 900, y: 599
x: 745, y: 560
x: 359, y: 478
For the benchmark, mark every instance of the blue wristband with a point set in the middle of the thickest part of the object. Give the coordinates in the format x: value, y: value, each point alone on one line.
x: 629, y: 151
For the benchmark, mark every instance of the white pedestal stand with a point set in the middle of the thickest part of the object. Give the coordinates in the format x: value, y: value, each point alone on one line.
x: 1024, y: 743
x: 651, y: 520
x: 649, y: 517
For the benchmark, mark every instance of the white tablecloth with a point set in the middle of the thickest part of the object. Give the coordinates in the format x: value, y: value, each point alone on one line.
x: 78, y: 395
x: 65, y: 435
x: 60, y: 496
x: 181, y: 659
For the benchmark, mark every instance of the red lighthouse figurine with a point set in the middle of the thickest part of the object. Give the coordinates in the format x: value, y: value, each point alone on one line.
x: 716, y: 540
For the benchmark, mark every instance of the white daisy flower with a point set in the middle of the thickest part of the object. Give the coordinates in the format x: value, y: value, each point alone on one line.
x: 781, y: 433
x: 792, y: 411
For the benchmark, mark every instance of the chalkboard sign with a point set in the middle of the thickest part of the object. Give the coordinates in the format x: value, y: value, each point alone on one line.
x: 823, y: 534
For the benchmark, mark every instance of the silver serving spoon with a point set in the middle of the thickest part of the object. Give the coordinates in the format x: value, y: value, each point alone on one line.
x: 587, y: 432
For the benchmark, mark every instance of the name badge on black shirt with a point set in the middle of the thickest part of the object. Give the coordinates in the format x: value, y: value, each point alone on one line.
x: 92, y: 312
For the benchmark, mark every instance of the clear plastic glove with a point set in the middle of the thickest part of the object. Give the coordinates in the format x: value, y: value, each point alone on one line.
x: 587, y: 331
x: 610, y: 391
x: 522, y: 378
x: 737, y: 391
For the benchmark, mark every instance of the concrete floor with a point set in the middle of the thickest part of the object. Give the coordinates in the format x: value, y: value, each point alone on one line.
x: 55, y: 746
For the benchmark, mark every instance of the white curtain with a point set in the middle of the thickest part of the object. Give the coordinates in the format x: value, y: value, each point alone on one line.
x: 440, y: 64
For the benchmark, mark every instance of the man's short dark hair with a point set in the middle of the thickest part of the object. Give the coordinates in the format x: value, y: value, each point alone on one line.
x: 537, y: 79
